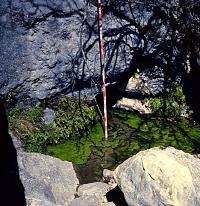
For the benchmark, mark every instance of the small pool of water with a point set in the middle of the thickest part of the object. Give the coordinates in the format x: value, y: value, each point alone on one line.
x: 129, y: 133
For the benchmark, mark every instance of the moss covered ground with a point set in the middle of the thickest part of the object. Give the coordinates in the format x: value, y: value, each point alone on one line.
x: 129, y: 133
x: 76, y: 135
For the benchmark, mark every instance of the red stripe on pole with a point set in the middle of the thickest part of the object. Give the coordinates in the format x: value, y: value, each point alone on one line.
x: 102, y: 56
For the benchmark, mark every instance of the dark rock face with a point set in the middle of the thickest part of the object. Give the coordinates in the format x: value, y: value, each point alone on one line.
x: 35, y: 53
x: 51, y: 47
x: 42, y: 45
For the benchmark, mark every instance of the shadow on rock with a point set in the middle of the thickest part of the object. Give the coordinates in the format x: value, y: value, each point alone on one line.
x: 116, y: 196
x: 11, y: 188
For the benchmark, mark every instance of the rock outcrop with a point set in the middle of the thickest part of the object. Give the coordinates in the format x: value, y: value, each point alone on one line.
x: 42, y: 44
x: 47, y: 180
x: 160, y: 177
x: 51, y: 47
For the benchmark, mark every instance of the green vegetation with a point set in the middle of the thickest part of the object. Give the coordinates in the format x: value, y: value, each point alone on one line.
x: 129, y: 133
x: 77, y: 151
x: 76, y: 136
x: 170, y: 105
x: 72, y: 119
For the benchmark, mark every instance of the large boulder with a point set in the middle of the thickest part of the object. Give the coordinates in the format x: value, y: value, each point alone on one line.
x: 52, y: 182
x: 47, y: 181
x: 160, y: 177
x: 50, y: 47
x: 43, y: 44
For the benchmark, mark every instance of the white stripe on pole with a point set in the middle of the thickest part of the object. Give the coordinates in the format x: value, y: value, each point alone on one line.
x: 102, y: 56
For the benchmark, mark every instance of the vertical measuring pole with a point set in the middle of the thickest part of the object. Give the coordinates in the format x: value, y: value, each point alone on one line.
x: 102, y: 56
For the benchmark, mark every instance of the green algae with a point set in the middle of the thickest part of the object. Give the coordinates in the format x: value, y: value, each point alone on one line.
x: 77, y: 151
x: 129, y: 133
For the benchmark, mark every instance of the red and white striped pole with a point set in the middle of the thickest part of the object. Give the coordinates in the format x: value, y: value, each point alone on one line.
x: 102, y: 56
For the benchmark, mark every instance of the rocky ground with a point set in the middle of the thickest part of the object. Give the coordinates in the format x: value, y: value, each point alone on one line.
x: 151, y: 177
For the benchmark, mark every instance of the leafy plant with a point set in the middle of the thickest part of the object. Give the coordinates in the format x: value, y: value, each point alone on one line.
x: 172, y: 104
x: 73, y: 118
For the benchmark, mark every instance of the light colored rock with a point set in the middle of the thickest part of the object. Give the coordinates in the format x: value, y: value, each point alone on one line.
x: 47, y: 179
x: 133, y: 104
x: 108, y: 177
x: 89, y: 201
x: 36, y: 202
x: 160, y: 177
x: 97, y: 189
x: 48, y: 116
x: 108, y: 204
x: 135, y: 84
x: 86, y: 201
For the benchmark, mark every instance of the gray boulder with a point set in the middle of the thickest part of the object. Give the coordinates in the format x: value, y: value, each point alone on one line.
x: 47, y: 180
x: 89, y: 201
x: 97, y: 189
x: 160, y: 177
x: 51, y: 47
x: 86, y: 200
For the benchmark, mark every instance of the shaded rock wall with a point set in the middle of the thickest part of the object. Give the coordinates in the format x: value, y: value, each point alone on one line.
x: 50, y: 47
x: 42, y: 44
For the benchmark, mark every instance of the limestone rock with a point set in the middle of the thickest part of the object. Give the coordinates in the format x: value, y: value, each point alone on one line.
x: 36, y: 202
x: 97, y: 189
x: 43, y: 39
x: 86, y: 200
x: 47, y: 180
x: 160, y: 177
x: 89, y: 201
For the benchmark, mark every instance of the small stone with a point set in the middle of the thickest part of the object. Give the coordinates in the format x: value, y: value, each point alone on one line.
x: 108, y: 177
x: 97, y: 189
x: 48, y: 116
x: 86, y: 201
